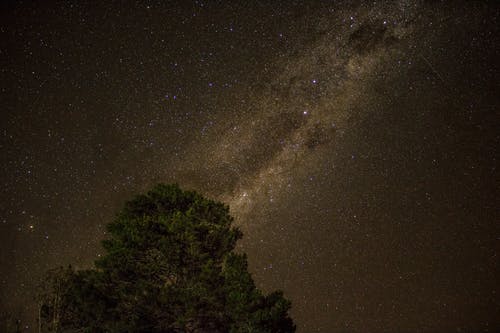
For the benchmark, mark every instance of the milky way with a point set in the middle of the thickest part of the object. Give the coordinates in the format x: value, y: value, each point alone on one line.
x: 355, y: 143
x: 312, y: 100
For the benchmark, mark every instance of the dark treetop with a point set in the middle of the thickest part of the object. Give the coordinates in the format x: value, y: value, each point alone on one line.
x: 169, y: 266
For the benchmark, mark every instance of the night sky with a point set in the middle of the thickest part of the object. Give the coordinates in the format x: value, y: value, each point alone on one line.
x: 355, y: 142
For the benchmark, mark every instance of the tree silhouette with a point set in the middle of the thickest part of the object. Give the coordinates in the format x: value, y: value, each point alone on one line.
x: 169, y: 266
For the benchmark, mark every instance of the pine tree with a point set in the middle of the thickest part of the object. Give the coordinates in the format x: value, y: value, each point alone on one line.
x: 169, y: 266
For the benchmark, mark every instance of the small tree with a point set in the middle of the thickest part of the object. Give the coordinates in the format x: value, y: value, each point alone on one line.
x: 169, y: 266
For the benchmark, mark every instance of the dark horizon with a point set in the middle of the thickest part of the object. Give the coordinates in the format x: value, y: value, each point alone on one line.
x: 355, y: 143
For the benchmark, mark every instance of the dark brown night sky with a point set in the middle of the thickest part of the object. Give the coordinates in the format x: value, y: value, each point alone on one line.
x: 355, y: 142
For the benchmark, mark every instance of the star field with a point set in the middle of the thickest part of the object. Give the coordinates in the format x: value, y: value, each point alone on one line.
x: 355, y: 142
